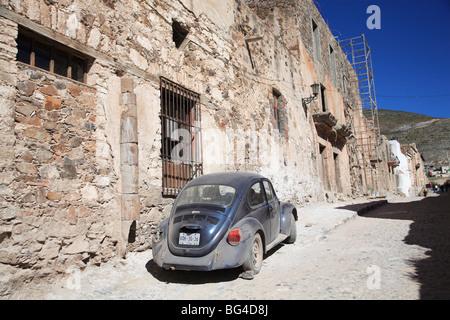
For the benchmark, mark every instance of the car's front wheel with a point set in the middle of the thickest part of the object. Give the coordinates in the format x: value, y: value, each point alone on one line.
x: 254, y: 255
x: 293, y: 231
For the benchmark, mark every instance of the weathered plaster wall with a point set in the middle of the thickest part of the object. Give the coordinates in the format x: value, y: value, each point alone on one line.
x: 62, y: 178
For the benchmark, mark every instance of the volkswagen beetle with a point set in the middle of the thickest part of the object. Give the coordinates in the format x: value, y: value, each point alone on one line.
x: 223, y: 220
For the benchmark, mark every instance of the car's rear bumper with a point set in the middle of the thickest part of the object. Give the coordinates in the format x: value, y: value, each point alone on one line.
x: 169, y: 261
x: 224, y: 256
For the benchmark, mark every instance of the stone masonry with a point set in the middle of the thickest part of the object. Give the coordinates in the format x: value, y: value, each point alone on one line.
x: 81, y: 171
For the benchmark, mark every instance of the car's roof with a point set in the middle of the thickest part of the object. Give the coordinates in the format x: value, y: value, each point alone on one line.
x: 232, y: 178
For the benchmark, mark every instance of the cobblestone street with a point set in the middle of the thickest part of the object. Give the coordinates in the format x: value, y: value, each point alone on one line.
x: 396, y: 251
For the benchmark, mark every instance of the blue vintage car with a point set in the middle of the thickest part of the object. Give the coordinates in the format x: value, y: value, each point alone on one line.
x: 223, y: 220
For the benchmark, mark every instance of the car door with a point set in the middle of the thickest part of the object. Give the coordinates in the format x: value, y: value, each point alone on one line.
x: 259, y: 207
x: 274, y: 210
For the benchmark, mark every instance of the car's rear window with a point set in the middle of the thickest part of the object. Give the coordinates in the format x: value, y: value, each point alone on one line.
x: 215, y: 194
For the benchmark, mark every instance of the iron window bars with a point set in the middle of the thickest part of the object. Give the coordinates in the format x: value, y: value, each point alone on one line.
x: 181, y: 148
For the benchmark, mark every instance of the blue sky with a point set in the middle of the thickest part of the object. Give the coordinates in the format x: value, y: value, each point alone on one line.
x: 410, y: 53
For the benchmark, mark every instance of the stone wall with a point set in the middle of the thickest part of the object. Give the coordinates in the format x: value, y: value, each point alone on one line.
x: 65, y: 162
x: 58, y: 188
x: 341, y: 95
x: 416, y: 169
x: 8, y: 206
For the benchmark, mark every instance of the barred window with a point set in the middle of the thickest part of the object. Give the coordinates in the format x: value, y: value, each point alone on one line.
x: 278, y: 108
x: 181, y: 150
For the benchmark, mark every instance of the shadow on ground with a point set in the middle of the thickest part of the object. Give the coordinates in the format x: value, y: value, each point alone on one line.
x: 430, y: 229
x: 199, y: 277
x: 191, y: 277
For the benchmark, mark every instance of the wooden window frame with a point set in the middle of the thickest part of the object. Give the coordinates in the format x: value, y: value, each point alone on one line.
x: 55, y: 47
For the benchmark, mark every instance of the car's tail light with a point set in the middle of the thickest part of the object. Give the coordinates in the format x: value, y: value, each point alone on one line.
x: 234, y: 237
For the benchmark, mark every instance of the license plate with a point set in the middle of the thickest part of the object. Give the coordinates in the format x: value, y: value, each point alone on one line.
x: 192, y: 239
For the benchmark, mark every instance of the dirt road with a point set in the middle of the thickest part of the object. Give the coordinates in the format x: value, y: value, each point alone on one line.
x: 398, y: 251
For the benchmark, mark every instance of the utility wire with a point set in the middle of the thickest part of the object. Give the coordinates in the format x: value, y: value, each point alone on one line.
x: 410, y: 97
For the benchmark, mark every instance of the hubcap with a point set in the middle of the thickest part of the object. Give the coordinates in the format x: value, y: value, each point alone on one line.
x: 257, y: 252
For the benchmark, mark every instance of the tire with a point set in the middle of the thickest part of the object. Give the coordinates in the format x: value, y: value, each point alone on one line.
x: 254, y: 255
x: 293, y: 232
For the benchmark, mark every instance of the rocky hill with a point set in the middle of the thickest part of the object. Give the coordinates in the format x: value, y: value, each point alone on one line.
x: 431, y: 135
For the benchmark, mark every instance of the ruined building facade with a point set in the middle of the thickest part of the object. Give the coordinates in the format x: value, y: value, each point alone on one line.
x: 108, y: 107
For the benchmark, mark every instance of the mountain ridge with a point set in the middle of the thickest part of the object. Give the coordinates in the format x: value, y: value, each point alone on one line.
x: 430, y: 134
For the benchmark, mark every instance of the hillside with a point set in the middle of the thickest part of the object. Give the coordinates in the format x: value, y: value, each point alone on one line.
x: 431, y: 135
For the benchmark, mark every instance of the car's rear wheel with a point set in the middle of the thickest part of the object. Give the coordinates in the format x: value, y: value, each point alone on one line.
x: 255, y: 255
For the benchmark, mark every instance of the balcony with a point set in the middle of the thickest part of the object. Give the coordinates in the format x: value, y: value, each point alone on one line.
x: 393, y: 161
x: 328, y: 129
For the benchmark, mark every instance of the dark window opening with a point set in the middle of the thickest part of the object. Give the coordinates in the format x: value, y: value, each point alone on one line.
x: 42, y: 56
x: 337, y: 172
x: 333, y: 63
x: 321, y: 149
x: 278, y: 112
x: 276, y: 107
x: 323, y: 167
x: 132, y: 233
x: 48, y: 55
x: 61, y: 60
x: 179, y: 33
x: 77, y: 67
x: 24, y: 49
x: 316, y: 40
x: 181, y: 137
x: 323, y: 98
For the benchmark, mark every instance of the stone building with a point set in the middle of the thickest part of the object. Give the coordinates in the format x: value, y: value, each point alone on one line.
x: 416, y: 168
x: 108, y: 107
x: 389, y: 165
x: 407, y: 165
